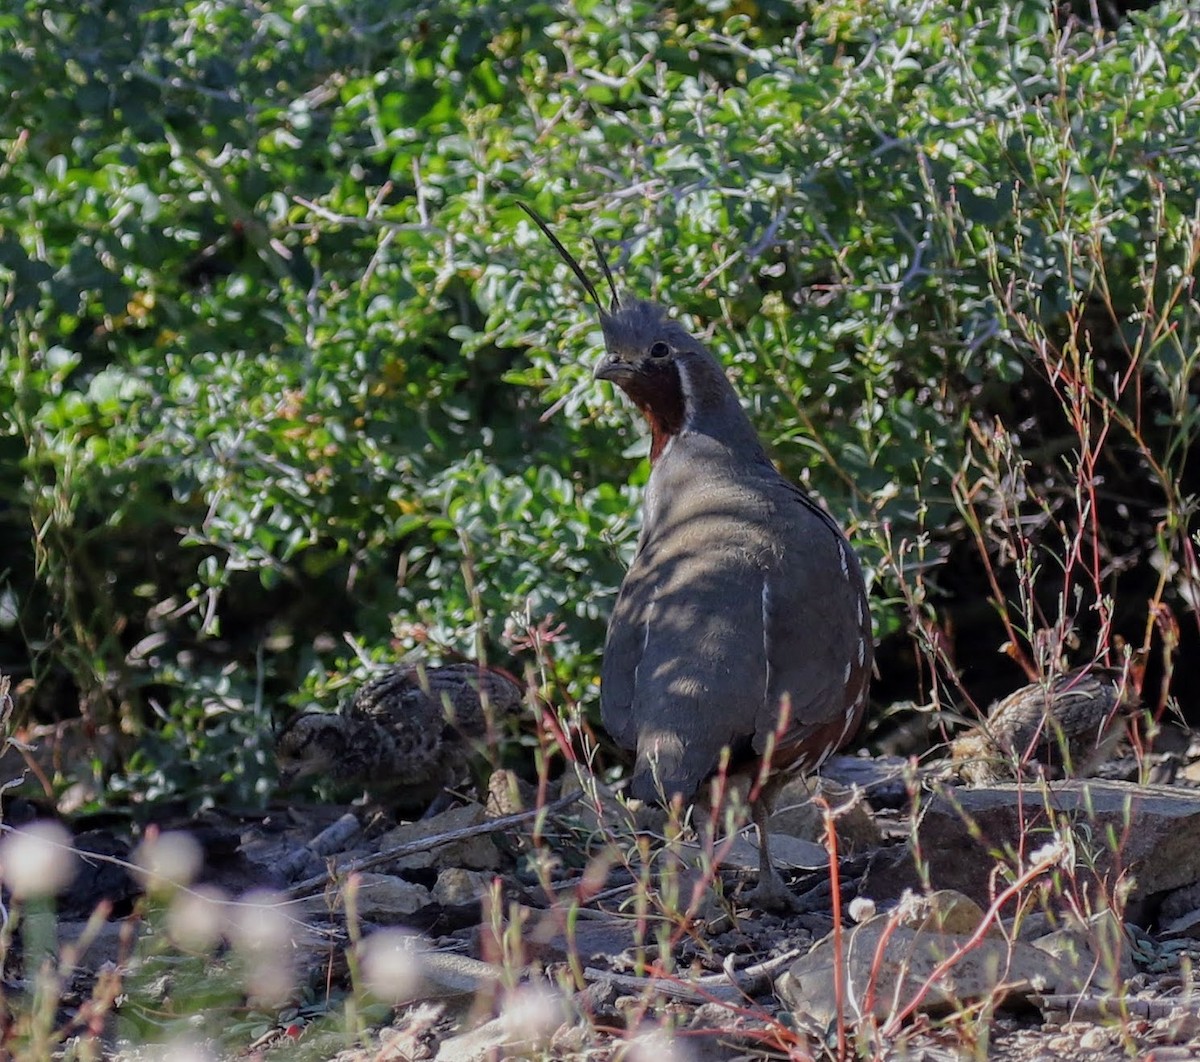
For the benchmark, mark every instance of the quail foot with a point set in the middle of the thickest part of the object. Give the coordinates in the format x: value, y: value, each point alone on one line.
x: 742, y: 623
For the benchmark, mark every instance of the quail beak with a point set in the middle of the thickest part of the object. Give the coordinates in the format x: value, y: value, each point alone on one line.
x: 611, y: 367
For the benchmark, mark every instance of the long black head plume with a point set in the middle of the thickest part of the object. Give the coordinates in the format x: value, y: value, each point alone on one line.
x: 576, y: 268
x: 612, y: 285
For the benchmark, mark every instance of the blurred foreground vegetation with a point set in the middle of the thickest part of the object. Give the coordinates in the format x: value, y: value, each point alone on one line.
x: 277, y: 341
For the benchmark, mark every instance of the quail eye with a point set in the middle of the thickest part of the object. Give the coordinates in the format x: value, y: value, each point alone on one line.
x: 659, y: 350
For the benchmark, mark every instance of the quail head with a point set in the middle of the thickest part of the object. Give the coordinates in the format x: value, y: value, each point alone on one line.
x: 742, y: 623
x: 404, y: 736
x: 1067, y: 726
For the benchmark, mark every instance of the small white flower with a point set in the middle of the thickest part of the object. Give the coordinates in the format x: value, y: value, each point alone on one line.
x: 37, y: 860
x: 196, y: 919
x: 168, y: 860
x: 861, y: 908
x: 657, y: 1046
x: 261, y: 923
x: 391, y: 965
x: 533, y: 1013
x: 262, y: 934
x: 1058, y: 852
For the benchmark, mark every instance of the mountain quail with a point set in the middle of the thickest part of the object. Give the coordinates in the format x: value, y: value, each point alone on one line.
x: 742, y: 623
x: 1069, y: 725
x: 405, y: 735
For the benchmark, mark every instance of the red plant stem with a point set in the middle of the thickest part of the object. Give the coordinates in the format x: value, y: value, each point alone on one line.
x: 893, y: 1024
x: 835, y: 884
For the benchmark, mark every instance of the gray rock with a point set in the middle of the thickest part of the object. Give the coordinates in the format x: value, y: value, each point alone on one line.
x: 945, y: 911
x: 474, y: 853
x: 796, y: 815
x: 888, y: 966
x: 885, y: 779
x: 1180, y: 902
x: 1185, y: 927
x: 455, y: 886
x: 1098, y: 952
x: 385, y: 899
x: 788, y: 852
x: 1152, y: 832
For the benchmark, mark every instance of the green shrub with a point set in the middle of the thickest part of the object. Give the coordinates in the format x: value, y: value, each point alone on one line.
x: 888, y: 222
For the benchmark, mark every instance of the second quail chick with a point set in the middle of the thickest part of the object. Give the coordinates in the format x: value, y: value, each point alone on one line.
x: 1069, y: 726
x: 404, y: 736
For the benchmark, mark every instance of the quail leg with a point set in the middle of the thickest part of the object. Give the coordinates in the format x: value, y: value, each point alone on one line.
x: 771, y: 893
x: 444, y: 801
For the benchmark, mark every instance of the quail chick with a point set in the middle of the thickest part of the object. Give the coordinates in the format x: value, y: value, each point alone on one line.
x: 404, y: 736
x: 1070, y: 726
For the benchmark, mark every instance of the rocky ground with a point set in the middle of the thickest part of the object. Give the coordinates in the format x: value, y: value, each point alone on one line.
x: 1018, y: 920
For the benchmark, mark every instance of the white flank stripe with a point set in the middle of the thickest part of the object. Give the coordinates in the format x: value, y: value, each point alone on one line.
x: 645, y: 642
x: 846, y: 728
x: 766, y: 598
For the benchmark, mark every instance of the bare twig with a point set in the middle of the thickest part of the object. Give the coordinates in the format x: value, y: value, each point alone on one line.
x: 1103, y: 1008
x: 712, y: 988
x: 320, y: 881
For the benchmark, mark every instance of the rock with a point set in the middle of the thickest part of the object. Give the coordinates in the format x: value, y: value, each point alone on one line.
x: 1182, y: 1027
x: 1185, y: 927
x: 475, y: 853
x: 337, y: 836
x: 788, y: 852
x: 944, y: 911
x: 1030, y: 925
x: 891, y: 872
x: 385, y: 898
x: 1179, y: 902
x: 887, y: 966
x: 413, y: 1037
x: 796, y: 815
x: 508, y: 794
x: 716, y: 1032
x: 456, y: 887
x: 1173, y: 1054
x: 1098, y: 952
x: 884, y: 779
x: 592, y: 941
x: 1157, y: 832
x: 295, y: 864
